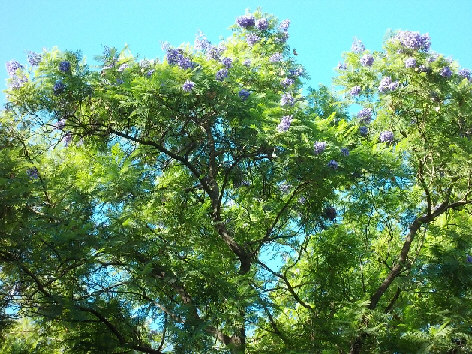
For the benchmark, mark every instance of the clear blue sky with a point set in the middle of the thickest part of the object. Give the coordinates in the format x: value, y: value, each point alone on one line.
x: 320, y: 30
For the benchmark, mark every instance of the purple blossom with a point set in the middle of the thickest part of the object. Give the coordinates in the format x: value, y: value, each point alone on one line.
x: 393, y: 86
x: 282, y: 37
x: 363, y: 130
x: 276, y: 57
x: 345, y: 151
x: 423, y: 68
x: 333, y: 164
x: 64, y: 66
x: 227, y: 62
x: 296, y: 72
x: 247, y: 62
x: 222, y: 74
x: 284, y: 25
x: 17, y: 82
x: 469, y: 258
x: 433, y: 57
x: 262, y: 24
x: 355, y: 91
x: 119, y: 81
x: 342, y: 66
x: 319, y: 147
x: 413, y: 40
x: 285, y: 187
x: 302, y: 200
x: 287, y: 82
x: 252, y: 38
x: 32, y: 173
x: 244, y: 94
x: 188, y: 86
x: 410, y: 62
x: 384, y: 85
x: 287, y: 99
x: 284, y: 124
x: 185, y: 63
x: 245, y: 21
x: 445, y: 72
x: 214, y: 52
x: 367, y: 60
x: 174, y: 55
x: 58, y: 87
x: 386, y: 136
x: 67, y: 139
x: 60, y: 124
x: 201, y: 42
x: 34, y: 58
x: 144, y: 64
x: 365, y: 114
x: 357, y: 46
x: 123, y: 66
x: 464, y: 73
x: 150, y: 72
x: 13, y: 66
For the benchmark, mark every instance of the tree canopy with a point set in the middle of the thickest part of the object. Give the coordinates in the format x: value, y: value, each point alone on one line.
x: 210, y: 202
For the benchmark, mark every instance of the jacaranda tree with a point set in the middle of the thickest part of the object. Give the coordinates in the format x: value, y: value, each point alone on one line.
x: 208, y: 202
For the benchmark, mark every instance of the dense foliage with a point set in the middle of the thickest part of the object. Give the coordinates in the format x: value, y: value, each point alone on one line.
x: 207, y: 203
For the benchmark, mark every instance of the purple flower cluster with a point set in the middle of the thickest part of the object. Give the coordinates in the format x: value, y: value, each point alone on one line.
x: 357, y: 46
x: 363, y: 131
x: 32, y: 173
x: 60, y: 124
x: 12, y: 67
x: 188, y: 86
x: 201, y: 42
x: 122, y: 67
x: 18, y: 81
x: 367, y: 60
x: 319, y: 147
x: 333, y: 164
x: 244, y: 94
x: 284, y: 25
x: 58, y: 87
x: 414, y: 40
x: 262, y: 24
x: 214, y: 52
x: 245, y: 21
x: 284, y: 124
x: 247, y: 62
x: 143, y: 64
x: 176, y: 57
x: 445, y: 72
x: 410, y: 62
x: 285, y: 187
x: 386, y: 136
x: 67, y: 139
x: 386, y: 84
x: 282, y: 37
x: 276, y: 57
x: 64, y: 66
x: 287, y: 99
x: 252, y: 38
x: 345, y: 151
x: 295, y: 72
x: 221, y: 74
x: 150, y: 72
x: 464, y: 73
x: 342, y: 66
x: 227, y: 62
x: 365, y: 114
x: 355, y: 91
x: 34, y: 58
x: 287, y: 82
